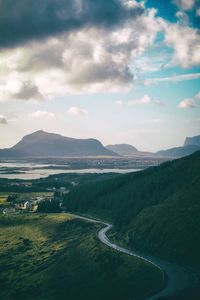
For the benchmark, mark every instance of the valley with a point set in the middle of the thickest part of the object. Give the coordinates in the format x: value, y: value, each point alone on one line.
x: 135, y: 203
x: 100, y: 150
x: 53, y: 256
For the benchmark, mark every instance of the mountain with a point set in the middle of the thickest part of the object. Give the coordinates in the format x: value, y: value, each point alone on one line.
x: 129, y: 151
x: 44, y: 144
x: 191, y: 145
x: 178, y: 151
x: 195, y: 140
x: 155, y: 211
x: 123, y: 149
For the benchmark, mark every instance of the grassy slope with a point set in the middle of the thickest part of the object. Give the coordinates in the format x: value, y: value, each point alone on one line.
x: 55, y: 257
x: 157, y: 210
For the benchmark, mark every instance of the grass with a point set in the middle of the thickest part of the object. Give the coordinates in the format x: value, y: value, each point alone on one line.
x: 2, y: 200
x: 23, y: 196
x: 30, y: 195
x: 38, y: 194
x: 54, y: 257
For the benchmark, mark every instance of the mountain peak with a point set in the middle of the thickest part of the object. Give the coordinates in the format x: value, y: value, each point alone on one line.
x: 37, y: 133
x: 44, y: 144
x: 192, y: 141
x: 123, y: 149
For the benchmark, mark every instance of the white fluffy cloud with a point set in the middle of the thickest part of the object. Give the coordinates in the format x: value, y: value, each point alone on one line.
x: 186, y: 44
x: 77, y: 111
x: 90, y: 60
x: 198, y: 12
x: 145, y: 100
x: 42, y: 114
x: 3, y: 120
x: 187, y: 103
x: 185, y: 4
x: 183, y: 18
x: 14, y: 88
x: 197, y: 96
x: 150, y: 121
x: 175, y: 78
x: 119, y: 103
x: 142, y: 101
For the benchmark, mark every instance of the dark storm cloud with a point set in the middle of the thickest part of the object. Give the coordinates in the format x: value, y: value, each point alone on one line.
x: 25, y: 20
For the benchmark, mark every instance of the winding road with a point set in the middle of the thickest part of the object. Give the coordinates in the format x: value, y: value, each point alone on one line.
x: 177, y: 278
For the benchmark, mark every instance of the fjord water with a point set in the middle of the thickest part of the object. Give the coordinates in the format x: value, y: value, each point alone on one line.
x: 24, y: 170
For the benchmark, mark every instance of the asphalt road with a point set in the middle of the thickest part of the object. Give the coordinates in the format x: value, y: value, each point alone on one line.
x: 177, y: 279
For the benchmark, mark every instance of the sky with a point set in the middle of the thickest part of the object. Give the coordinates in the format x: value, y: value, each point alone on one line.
x: 121, y: 71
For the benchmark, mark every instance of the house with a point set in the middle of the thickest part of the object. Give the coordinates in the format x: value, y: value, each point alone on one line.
x: 27, y: 205
x: 39, y: 199
x: 9, y: 210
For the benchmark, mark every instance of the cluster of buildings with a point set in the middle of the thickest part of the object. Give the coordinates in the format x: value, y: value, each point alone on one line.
x: 23, y: 205
x: 30, y: 204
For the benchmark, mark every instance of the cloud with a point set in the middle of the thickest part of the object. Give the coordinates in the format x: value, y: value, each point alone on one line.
x: 75, y: 62
x: 184, y: 4
x: 32, y: 20
x: 183, y: 18
x: 142, y: 101
x: 186, y: 44
x: 150, y: 121
x: 76, y: 111
x: 175, y: 78
x: 42, y: 114
x: 3, y: 120
x: 145, y: 100
x: 119, y: 103
x: 187, y: 103
x: 198, y: 12
x: 15, y: 89
x: 28, y: 91
x: 197, y: 96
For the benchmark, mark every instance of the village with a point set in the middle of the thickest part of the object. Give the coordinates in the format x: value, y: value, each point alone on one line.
x: 17, y: 203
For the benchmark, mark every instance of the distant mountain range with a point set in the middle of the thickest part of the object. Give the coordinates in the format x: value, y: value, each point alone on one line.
x: 44, y: 144
x: 191, y: 145
x: 178, y: 151
x: 129, y: 151
x: 195, y: 140
x: 123, y: 149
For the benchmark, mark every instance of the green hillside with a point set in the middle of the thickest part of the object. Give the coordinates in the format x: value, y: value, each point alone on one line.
x: 156, y: 211
x: 56, y: 257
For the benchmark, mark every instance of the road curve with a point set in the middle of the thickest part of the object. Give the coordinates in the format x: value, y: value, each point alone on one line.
x: 178, y: 278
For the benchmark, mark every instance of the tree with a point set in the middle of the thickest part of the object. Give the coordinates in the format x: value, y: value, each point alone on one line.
x: 49, y: 206
x: 11, y: 198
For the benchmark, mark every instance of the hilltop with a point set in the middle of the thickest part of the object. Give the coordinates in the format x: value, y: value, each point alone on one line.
x: 191, y: 145
x: 44, y: 144
x: 156, y: 210
x: 123, y: 149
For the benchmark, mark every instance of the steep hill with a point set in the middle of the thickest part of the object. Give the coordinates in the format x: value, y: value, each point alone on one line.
x: 122, y: 149
x: 179, y: 151
x: 156, y: 210
x: 130, y: 151
x: 44, y: 144
x: 195, y: 140
x: 191, y: 145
